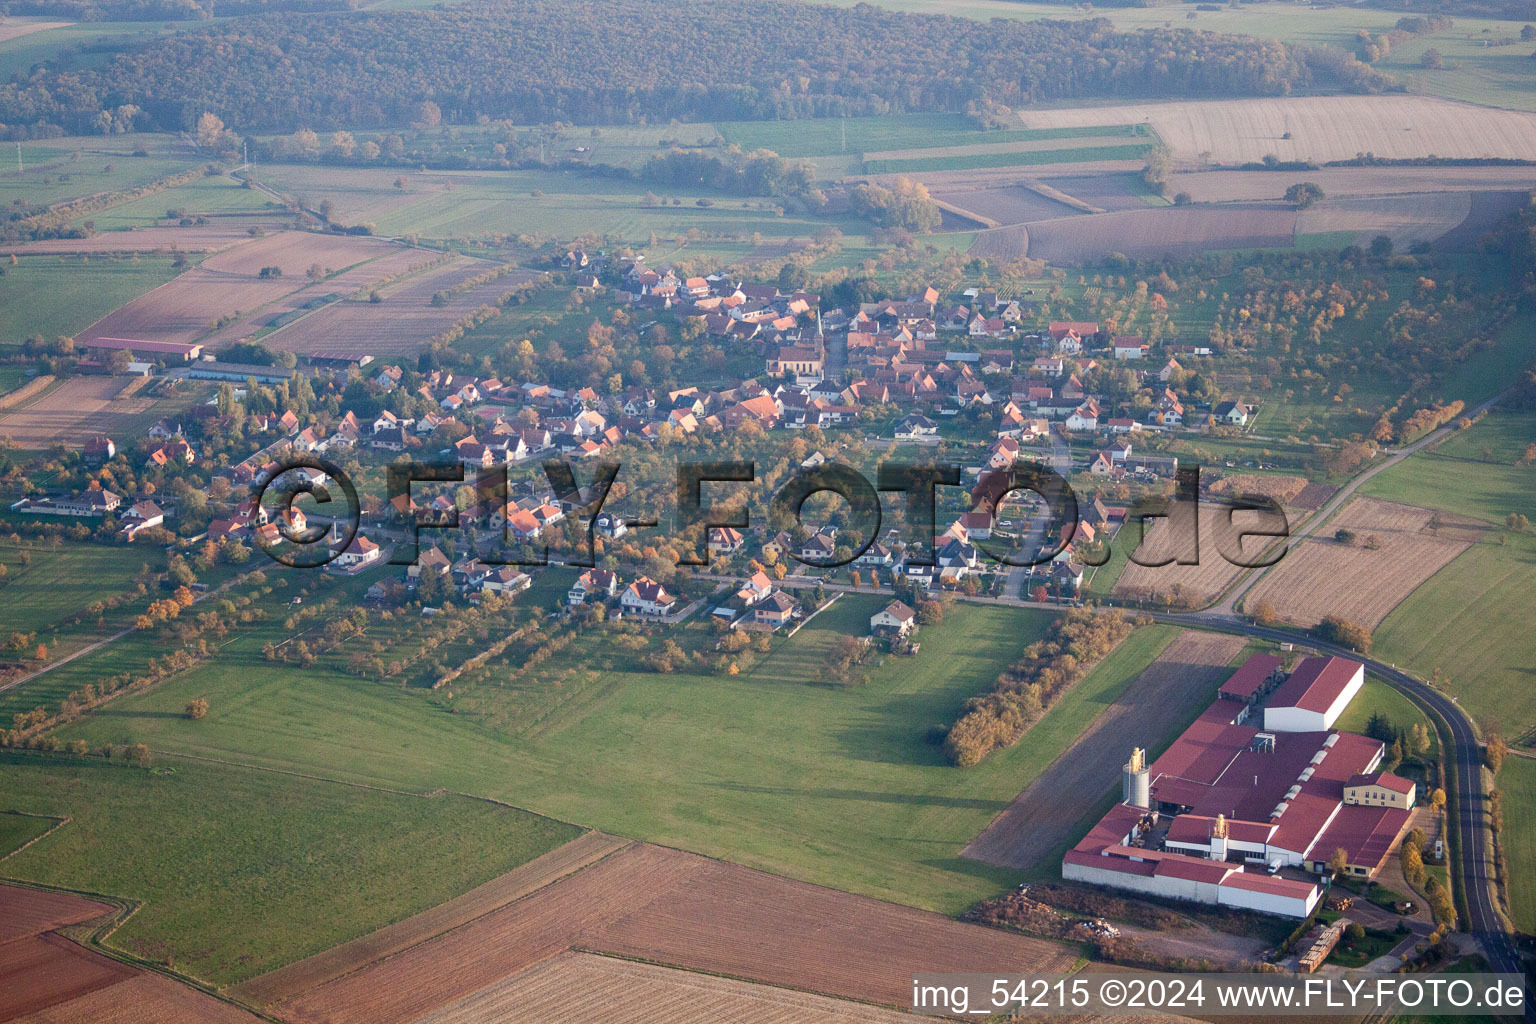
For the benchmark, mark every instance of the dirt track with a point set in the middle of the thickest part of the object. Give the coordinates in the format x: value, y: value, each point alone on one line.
x: 1043, y: 817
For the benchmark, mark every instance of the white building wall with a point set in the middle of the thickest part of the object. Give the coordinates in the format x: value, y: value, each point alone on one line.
x: 1337, y: 708
x: 1268, y: 903
x: 1294, y: 720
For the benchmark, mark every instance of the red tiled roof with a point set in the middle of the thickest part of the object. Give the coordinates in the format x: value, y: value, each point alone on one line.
x: 1315, y: 684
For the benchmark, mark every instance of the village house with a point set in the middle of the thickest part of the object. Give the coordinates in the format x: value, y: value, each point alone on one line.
x: 359, y: 553
x: 140, y: 517
x: 916, y: 428
x: 1230, y: 413
x: 647, y: 597
x: 725, y: 541
x: 594, y: 582
x: 777, y: 609
x: 896, y: 619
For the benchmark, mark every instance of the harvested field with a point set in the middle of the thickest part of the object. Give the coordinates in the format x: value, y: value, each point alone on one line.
x: 184, y: 310
x: 41, y: 970
x: 51, y: 980
x: 1405, y: 219
x: 1002, y: 244
x: 1322, y: 128
x: 1328, y: 577
x: 26, y: 912
x: 669, y: 907
x: 1313, y: 497
x: 74, y: 412
x: 1339, y: 182
x: 143, y: 998
x: 400, y: 261
x: 209, y: 238
x: 1045, y: 814
x: 403, y: 323
x: 16, y: 28
x: 1282, y: 488
x: 1169, y: 230
x: 498, y: 892
x: 623, y: 992
x: 1193, y: 585
x: 1011, y: 204
x: 1488, y: 209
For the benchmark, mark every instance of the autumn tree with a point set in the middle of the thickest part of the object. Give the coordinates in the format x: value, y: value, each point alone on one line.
x: 197, y: 708
x: 1338, y: 861
x: 139, y: 754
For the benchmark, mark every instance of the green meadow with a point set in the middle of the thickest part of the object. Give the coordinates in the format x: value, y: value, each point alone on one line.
x: 54, y: 296
x: 300, y: 864
x: 841, y: 785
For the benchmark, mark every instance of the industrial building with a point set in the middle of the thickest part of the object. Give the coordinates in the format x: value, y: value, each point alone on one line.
x: 1229, y: 805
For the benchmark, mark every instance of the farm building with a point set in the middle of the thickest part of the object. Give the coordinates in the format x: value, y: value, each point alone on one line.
x: 1314, y: 696
x: 1228, y: 795
x: 168, y: 351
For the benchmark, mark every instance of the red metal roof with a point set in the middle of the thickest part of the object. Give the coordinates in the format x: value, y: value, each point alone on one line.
x: 1245, y: 682
x: 1365, y: 833
x: 142, y: 345
x: 1273, y: 884
x: 1124, y: 865
x: 1192, y: 869
x: 1315, y: 684
x: 1385, y: 780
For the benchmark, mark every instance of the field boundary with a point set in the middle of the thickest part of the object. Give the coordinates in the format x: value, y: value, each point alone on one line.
x: 522, y: 881
x: 26, y: 392
x: 58, y: 823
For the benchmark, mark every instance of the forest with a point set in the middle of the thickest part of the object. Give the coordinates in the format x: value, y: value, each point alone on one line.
x: 631, y: 61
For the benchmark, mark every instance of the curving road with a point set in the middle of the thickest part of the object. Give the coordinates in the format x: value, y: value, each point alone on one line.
x: 1471, y: 868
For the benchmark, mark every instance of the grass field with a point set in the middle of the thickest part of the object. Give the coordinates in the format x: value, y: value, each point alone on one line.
x: 53, y: 175
x: 18, y: 829
x: 1376, y: 696
x: 54, y: 295
x: 206, y: 196
x: 17, y: 56
x: 1470, y: 619
x: 300, y: 864
x: 834, y: 785
x: 1517, y: 780
x: 60, y: 582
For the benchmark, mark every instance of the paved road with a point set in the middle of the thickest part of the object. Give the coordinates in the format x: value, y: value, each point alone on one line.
x: 1472, y: 870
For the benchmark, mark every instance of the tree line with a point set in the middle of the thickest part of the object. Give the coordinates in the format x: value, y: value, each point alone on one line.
x: 623, y: 61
